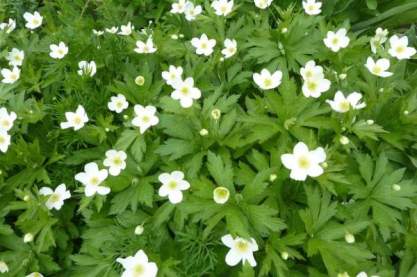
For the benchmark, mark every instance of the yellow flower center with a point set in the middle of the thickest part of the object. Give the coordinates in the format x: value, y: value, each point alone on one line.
x: 267, y: 82
x: 117, y: 161
x: 2, y: 140
x: 377, y: 69
x: 17, y: 58
x: 344, y: 105
x: 94, y: 181
x: 303, y: 162
x: 312, y: 86
x: 185, y: 91
x: 335, y: 41
x: 138, y: 270
x: 400, y: 49
x: 172, y: 185
x: 77, y: 120
x: 13, y: 76
x: 54, y: 197
x: 145, y: 119
x: 204, y: 45
x: 35, y: 21
x: 60, y: 51
x: 119, y: 104
x: 5, y: 123
x: 242, y: 246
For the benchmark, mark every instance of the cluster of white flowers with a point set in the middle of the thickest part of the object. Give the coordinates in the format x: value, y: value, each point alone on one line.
x: 15, y: 58
x: 187, y: 8
x: 184, y: 90
x: 314, y: 82
x: 6, y: 123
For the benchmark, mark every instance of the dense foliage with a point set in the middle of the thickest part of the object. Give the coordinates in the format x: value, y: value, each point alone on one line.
x: 355, y: 211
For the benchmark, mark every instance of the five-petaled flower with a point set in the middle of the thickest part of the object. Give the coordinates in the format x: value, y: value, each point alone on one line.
x: 75, y: 119
x: 56, y: 198
x: 172, y: 186
x: 138, y: 266
x: 240, y: 250
x: 145, y: 117
x: 91, y: 178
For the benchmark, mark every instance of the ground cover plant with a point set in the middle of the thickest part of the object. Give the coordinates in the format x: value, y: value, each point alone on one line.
x: 208, y: 138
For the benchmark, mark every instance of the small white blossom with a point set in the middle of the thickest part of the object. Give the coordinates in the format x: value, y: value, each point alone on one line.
x: 343, y: 104
x: 230, y: 48
x: 9, y: 26
x: 344, y: 140
x: 191, y: 11
x: 91, y: 178
x: 75, y: 119
x: 379, y: 67
x: 179, y: 7
x: 56, y: 198
x: 399, y: 48
x: 262, y: 4
x: 126, y: 30
x: 311, y: 7
x: 172, y: 186
x: 3, y: 267
x: 118, y: 103
x: 15, y: 57
x: 87, y: 68
x: 4, y: 141
x: 112, y: 30
x: 115, y: 161
x: 266, y: 81
x: 349, y: 238
x: 240, y: 250
x: 6, y: 119
x: 303, y: 162
x: 216, y: 114
x: 314, y: 87
x: 58, y: 51
x: 139, y: 230
x: 173, y: 76
x: 222, y: 7
x: 186, y: 93
x: 98, y: 32
x: 203, y: 45
x: 33, y: 21
x: 336, y: 41
x: 221, y: 195
x: 380, y: 37
x: 147, y: 47
x: 28, y: 237
x: 34, y: 274
x: 364, y: 274
x: 138, y: 266
x: 312, y: 71
x: 10, y: 76
x: 145, y: 117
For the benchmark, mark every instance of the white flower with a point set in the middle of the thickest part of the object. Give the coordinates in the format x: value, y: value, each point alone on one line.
x: 118, y: 103
x: 138, y: 266
x: 3, y: 267
x: 378, y: 68
x: 112, y: 30
x: 28, y: 237
x: 343, y: 104
x: 172, y: 186
x: 336, y: 41
x: 263, y: 4
x: 399, y: 48
x: 91, y: 178
x: 240, y: 250
x: 87, y: 68
x: 349, y: 238
x: 58, y: 51
x: 173, y: 76
x: 304, y: 162
x: 4, y: 141
x: 139, y: 230
x: 57, y: 197
x: 191, y: 11
x: 33, y: 21
x: 314, y: 87
x: 179, y: 7
x: 312, y: 71
x: 203, y: 45
x: 75, y: 119
x: 222, y: 7
x: 221, y: 195
x: 186, y: 92
x: 34, y: 274
x: 344, y: 140
x: 363, y: 274
x: 115, y: 161
x: 6, y: 119
x: 265, y: 80
x: 230, y: 48
x: 98, y: 32
x: 10, y: 76
x: 126, y: 30
x: 311, y: 7
x: 379, y: 38
x: 145, y: 117
x: 8, y: 27
x: 145, y: 47
x: 15, y: 57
